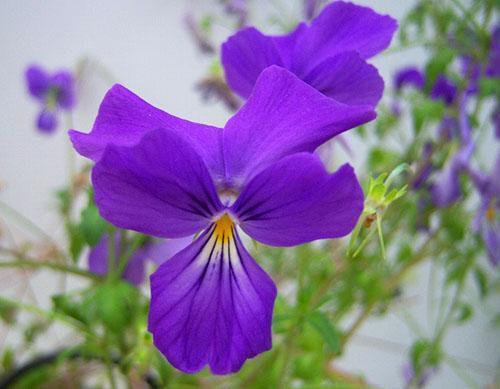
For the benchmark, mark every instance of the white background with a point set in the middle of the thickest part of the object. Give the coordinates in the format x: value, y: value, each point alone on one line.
x: 147, y: 48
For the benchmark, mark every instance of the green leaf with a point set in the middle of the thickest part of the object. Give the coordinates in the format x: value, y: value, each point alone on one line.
x: 481, y: 282
x: 325, y: 328
x: 76, y: 240
x: 380, y: 159
x: 464, y: 313
x: 92, y: 225
x: 437, y: 65
x: 116, y: 304
x: 8, y: 359
x: 65, y: 304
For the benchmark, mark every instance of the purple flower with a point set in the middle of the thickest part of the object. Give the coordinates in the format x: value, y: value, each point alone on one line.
x: 238, y: 8
x: 329, y: 54
x: 493, y: 68
x: 158, y: 252
x: 444, y: 89
x: 471, y: 71
x: 409, y: 76
x: 425, y: 168
x: 160, y: 175
x: 54, y: 92
x: 199, y: 36
x: 495, y: 117
x: 487, y: 221
x: 311, y: 8
x: 409, y: 376
x: 446, y: 188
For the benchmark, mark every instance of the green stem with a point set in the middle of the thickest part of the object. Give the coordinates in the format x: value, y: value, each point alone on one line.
x: 25, y: 263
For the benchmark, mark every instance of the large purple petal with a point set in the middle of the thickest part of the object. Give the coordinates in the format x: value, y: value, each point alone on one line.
x: 163, y: 250
x: 211, y: 304
x: 342, y: 27
x: 98, y: 260
x: 38, y: 81
x: 245, y: 55
x: 296, y: 201
x: 284, y: 115
x: 348, y: 79
x: 124, y: 118
x: 159, y: 187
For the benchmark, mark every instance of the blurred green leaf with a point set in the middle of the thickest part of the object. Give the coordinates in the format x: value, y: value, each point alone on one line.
x: 481, y: 282
x: 92, y: 225
x: 320, y: 322
x: 464, y: 313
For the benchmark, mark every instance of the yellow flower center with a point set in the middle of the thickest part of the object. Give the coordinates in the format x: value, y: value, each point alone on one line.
x: 223, y: 228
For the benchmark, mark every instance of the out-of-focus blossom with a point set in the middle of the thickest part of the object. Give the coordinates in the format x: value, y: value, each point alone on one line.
x: 409, y: 76
x: 425, y: 168
x: 448, y: 128
x: 156, y: 251
x: 444, y: 89
x: 199, y: 36
x: 329, y: 54
x: 409, y: 376
x: 311, y: 8
x: 216, y: 88
x: 495, y: 118
x: 238, y: 8
x: 446, y: 187
x: 493, y: 68
x: 55, y: 92
x: 487, y: 220
x: 471, y: 71
x: 160, y: 175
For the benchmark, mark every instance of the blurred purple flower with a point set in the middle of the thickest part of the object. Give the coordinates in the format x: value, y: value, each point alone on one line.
x: 311, y: 8
x: 157, y: 251
x: 495, y: 117
x: 471, y: 71
x: 446, y: 187
x: 198, y: 35
x: 409, y: 376
x: 444, y: 89
x: 425, y: 168
x: 163, y: 176
x: 54, y: 91
x: 493, y: 68
x: 409, y: 76
x: 329, y: 54
x: 238, y: 8
x: 448, y: 128
x: 487, y: 220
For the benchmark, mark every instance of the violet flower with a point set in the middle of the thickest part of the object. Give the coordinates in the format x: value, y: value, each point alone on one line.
x: 311, y: 8
x: 409, y: 76
x: 495, y: 118
x: 54, y: 91
x: 487, y: 220
x: 329, y: 54
x: 238, y: 8
x: 444, y: 89
x: 158, y: 252
x: 409, y: 376
x: 163, y: 176
x: 446, y: 188
x: 493, y: 68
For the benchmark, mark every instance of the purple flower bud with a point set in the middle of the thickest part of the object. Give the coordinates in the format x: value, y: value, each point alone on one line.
x: 409, y: 76
x: 47, y: 121
x: 444, y: 89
